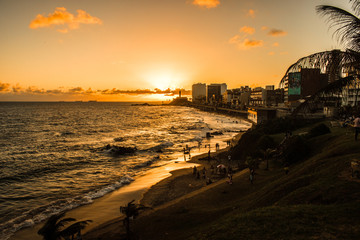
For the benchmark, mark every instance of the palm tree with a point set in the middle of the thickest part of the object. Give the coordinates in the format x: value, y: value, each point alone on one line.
x: 131, y: 211
x: 347, y: 31
x: 53, y: 228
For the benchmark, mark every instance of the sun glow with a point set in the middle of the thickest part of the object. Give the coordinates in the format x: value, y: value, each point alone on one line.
x: 164, y: 79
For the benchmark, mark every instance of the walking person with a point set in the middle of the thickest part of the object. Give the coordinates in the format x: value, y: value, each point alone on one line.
x: 251, y: 177
x: 357, y: 127
x: 230, y: 178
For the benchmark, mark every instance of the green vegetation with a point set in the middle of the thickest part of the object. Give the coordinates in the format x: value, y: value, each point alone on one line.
x: 318, y: 130
x: 318, y: 199
x: 256, y: 141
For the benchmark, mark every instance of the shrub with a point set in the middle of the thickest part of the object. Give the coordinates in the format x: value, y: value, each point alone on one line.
x: 318, y: 130
x: 266, y: 142
x: 295, y: 150
x: 246, y: 145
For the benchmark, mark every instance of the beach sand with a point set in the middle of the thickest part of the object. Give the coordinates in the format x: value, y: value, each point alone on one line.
x: 165, y: 194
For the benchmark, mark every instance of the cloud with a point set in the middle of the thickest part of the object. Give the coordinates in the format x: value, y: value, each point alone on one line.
x: 61, y: 17
x: 271, y: 53
x: 206, y: 3
x: 275, y: 44
x: 17, y: 88
x: 235, y: 39
x: 251, y: 13
x: 248, y: 30
x: 4, y: 87
x: 276, y: 33
x: 76, y: 90
x: 245, y: 43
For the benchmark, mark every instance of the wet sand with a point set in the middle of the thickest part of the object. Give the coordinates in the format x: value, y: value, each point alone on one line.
x: 180, y: 184
x: 151, y: 189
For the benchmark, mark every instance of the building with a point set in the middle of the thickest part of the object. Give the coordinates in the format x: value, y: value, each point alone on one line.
x: 228, y: 97
x: 261, y: 114
x: 307, y: 82
x: 256, y: 97
x: 214, y: 93
x: 237, y: 98
x: 199, y: 92
x: 271, y: 96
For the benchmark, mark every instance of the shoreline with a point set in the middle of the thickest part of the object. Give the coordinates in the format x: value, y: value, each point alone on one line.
x: 179, y: 183
x: 105, y: 210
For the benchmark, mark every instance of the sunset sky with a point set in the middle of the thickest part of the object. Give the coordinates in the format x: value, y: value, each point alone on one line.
x: 122, y: 50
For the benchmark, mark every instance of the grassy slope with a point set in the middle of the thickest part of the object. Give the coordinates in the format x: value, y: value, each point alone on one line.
x: 318, y: 199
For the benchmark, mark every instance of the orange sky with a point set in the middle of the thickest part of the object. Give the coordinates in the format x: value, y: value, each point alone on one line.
x: 79, y: 50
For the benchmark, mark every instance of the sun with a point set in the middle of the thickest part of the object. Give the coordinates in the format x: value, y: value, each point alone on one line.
x: 164, y: 79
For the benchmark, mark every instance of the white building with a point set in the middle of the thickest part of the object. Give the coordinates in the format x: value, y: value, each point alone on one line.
x: 199, y: 92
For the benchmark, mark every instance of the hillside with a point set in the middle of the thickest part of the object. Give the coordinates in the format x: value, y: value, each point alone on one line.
x: 318, y: 199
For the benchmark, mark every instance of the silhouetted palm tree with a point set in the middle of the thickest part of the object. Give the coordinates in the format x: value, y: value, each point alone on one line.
x: 346, y: 27
x: 131, y: 211
x: 53, y: 228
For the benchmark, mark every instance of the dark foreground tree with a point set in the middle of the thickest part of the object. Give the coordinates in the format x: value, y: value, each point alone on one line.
x: 131, y: 211
x: 53, y: 229
x: 346, y: 26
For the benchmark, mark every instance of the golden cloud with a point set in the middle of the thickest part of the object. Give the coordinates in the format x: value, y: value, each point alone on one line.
x: 206, y: 3
x: 248, y: 30
x: 251, y: 13
x: 245, y: 44
x: 234, y: 40
x: 4, y: 87
x: 79, y: 91
x: 61, y: 17
x: 275, y: 44
x: 277, y: 33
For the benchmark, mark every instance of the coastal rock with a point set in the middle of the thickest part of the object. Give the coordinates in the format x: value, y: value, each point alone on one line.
x: 119, y: 139
x: 216, y: 133
x: 118, y: 150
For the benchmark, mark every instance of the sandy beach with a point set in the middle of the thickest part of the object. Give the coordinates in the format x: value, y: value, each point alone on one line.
x: 178, y: 185
x: 158, y: 186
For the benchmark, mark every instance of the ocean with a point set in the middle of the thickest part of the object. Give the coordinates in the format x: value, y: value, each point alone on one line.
x: 58, y: 156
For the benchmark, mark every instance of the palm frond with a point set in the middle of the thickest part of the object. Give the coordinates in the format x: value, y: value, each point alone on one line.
x: 333, y: 89
x: 347, y: 25
x: 355, y: 6
x: 74, y: 228
x: 331, y: 62
x: 64, y: 221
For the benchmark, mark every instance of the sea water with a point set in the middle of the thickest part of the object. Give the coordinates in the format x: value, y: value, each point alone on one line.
x: 54, y: 155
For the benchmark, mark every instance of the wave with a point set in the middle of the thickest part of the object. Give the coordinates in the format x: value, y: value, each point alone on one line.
x: 160, y: 147
x: 147, y: 163
x: 42, y: 213
x: 43, y: 170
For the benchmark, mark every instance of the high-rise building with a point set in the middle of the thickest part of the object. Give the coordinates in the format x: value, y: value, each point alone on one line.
x: 301, y: 84
x: 214, y: 92
x: 199, y: 92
